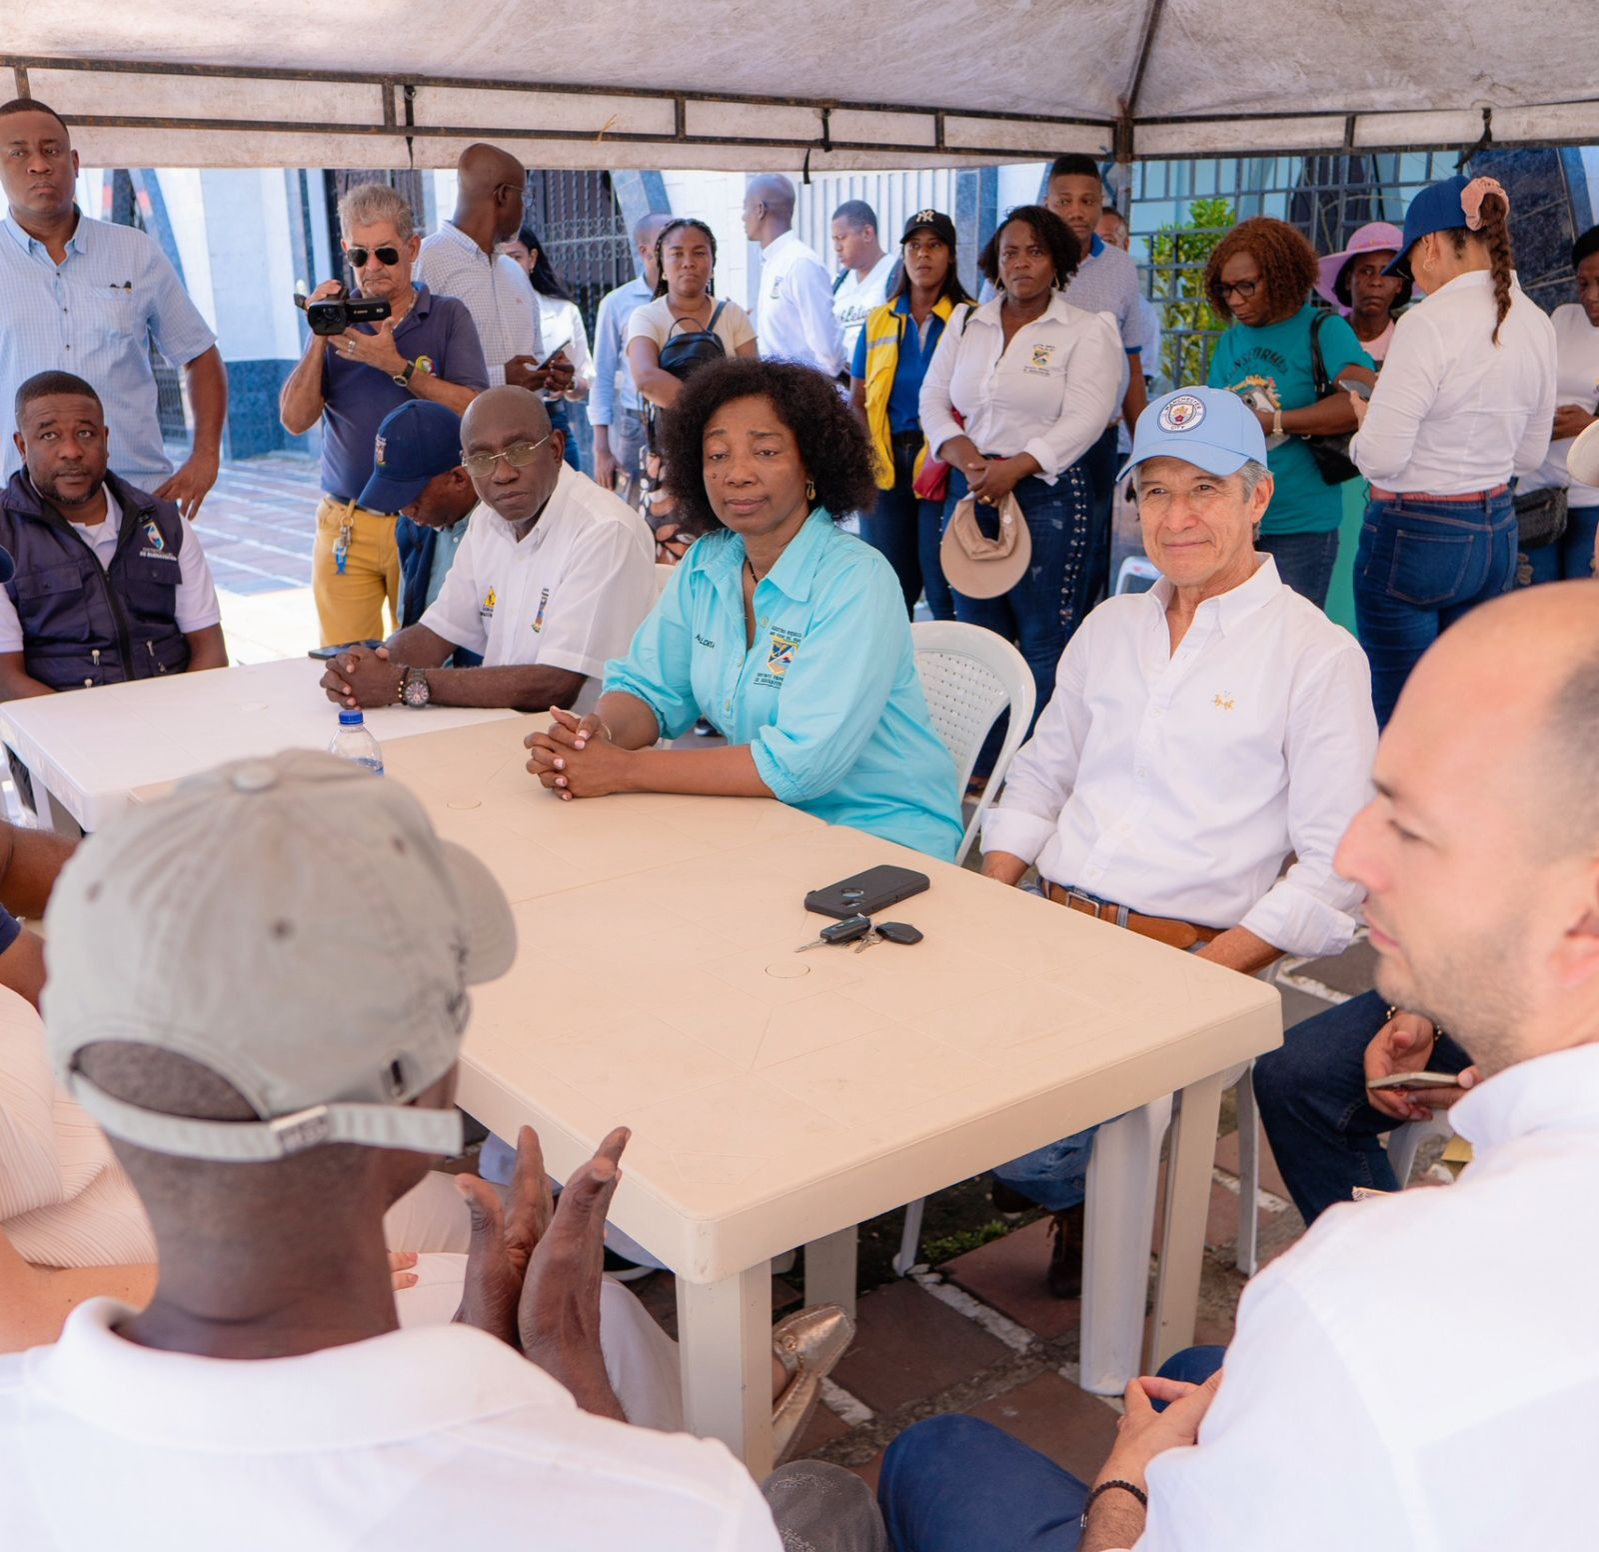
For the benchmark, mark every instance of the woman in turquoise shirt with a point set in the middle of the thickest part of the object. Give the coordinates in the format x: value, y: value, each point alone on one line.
x: 786, y: 634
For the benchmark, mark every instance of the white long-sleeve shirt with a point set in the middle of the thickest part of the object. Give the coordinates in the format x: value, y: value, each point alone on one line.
x: 795, y: 321
x: 1179, y: 783
x: 1421, y: 1372
x: 1051, y: 393
x: 1452, y: 412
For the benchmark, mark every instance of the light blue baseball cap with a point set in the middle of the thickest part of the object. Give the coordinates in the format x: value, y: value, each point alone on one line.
x: 1208, y: 427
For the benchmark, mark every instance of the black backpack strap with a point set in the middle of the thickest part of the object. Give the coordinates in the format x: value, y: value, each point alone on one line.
x: 1318, y: 363
x: 710, y: 328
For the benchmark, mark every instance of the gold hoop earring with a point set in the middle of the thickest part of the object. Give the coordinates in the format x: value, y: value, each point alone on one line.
x: 810, y: 490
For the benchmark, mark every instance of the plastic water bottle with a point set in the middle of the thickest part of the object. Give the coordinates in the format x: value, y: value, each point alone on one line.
x: 355, y: 742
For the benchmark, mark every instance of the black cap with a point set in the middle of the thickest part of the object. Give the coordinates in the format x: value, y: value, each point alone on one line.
x: 934, y: 221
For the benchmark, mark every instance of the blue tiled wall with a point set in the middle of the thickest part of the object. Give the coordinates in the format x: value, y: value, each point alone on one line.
x: 253, y: 424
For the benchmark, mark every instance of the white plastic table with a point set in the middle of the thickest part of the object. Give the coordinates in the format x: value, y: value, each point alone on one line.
x: 86, y: 750
x: 778, y: 1099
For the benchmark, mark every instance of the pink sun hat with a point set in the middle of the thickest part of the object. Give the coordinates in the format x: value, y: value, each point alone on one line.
x: 1374, y: 237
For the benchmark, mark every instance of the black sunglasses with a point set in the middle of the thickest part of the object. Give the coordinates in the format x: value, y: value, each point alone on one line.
x: 385, y: 256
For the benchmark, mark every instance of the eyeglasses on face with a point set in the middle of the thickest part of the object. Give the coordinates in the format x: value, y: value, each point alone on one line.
x: 1243, y: 289
x: 385, y: 255
x: 517, y: 456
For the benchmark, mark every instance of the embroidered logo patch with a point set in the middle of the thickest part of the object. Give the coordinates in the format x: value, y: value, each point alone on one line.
x: 153, y: 535
x: 379, y: 448
x: 487, y: 610
x: 1042, y: 356
x: 780, y: 654
x: 1182, y: 413
x: 424, y: 363
x: 538, y: 619
x: 1223, y: 701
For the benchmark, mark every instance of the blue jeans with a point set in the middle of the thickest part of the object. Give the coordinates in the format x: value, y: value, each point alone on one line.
x: 1305, y: 561
x: 561, y: 420
x: 1312, y: 1098
x: 1419, y: 567
x: 906, y: 531
x: 1099, y: 463
x: 1040, y: 613
x: 1573, y: 555
x: 957, y: 1484
x: 1056, y: 1175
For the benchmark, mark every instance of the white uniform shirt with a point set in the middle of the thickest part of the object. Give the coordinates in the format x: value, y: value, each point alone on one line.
x: 856, y: 297
x: 407, y: 1442
x: 1421, y: 1372
x: 1453, y: 413
x: 1051, y: 393
x: 795, y: 321
x: 1178, y: 784
x: 493, y: 288
x: 568, y: 595
x: 1576, y: 382
x: 196, y: 603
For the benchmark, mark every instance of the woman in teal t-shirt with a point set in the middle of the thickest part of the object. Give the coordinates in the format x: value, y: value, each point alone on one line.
x: 1261, y: 275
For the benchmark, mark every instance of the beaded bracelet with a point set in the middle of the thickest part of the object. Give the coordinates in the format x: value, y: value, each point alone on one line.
x: 1105, y: 1487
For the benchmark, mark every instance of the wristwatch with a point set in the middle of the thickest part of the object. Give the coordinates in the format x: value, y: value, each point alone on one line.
x: 414, y: 691
x: 412, y: 368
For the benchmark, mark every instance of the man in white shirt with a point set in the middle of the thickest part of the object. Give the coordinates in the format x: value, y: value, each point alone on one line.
x: 552, y: 579
x: 863, y: 284
x: 460, y: 260
x: 794, y: 321
x: 1199, y: 735
x: 266, y: 1396
x: 1330, y: 1430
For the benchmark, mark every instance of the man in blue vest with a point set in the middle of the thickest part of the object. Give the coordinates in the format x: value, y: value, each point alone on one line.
x: 110, y: 583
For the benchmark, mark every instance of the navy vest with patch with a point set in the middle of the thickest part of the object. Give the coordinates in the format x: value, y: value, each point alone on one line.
x: 81, y: 623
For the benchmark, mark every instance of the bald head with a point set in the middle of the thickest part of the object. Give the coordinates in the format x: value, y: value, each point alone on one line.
x: 483, y: 168
x: 775, y: 191
x: 501, y: 425
x: 768, y: 207
x: 516, y: 411
x: 488, y: 200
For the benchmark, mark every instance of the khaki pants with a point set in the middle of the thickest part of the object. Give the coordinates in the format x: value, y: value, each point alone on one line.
x: 350, y: 607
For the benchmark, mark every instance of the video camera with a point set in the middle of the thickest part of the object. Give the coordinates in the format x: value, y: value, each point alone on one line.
x: 334, y: 314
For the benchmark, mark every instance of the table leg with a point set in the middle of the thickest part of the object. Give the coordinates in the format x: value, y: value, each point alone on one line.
x: 724, y: 1333
x: 1190, y: 1157
x: 830, y: 1270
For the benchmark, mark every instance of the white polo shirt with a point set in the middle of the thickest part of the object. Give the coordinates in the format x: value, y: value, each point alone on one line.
x: 1051, y: 392
x: 1178, y: 783
x: 795, y: 319
x: 569, y: 595
x: 423, y: 1438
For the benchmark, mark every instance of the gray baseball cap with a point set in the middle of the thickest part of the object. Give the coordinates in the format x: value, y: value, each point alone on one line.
x: 295, y: 926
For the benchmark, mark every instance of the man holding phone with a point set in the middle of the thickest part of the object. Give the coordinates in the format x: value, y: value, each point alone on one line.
x: 427, y: 348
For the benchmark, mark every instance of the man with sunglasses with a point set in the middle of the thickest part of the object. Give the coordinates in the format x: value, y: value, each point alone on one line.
x: 427, y: 348
x: 553, y: 577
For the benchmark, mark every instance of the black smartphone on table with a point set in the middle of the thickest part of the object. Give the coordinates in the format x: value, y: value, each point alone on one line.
x: 863, y: 894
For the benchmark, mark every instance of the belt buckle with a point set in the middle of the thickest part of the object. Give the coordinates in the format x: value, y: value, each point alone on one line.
x: 1073, y: 896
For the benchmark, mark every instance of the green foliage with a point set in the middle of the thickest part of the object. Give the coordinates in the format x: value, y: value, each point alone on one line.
x: 937, y: 1251
x: 1177, y: 259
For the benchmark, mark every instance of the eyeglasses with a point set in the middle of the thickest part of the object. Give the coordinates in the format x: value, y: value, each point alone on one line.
x: 386, y: 256
x: 517, y: 456
x: 1243, y: 289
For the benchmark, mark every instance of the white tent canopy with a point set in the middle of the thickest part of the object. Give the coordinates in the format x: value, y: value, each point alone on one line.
x: 751, y: 84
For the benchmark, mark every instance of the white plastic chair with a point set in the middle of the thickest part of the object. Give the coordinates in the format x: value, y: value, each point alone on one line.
x: 969, y: 675
x: 1404, y: 1142
x: 663, y: 575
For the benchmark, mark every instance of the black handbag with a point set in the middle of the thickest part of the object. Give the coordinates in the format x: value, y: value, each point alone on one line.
x: 1540, y: 518
x: 1331, y: 453
x: 684, y: 353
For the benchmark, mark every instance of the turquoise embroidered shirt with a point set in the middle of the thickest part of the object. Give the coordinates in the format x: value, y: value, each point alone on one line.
x: 827, y: 697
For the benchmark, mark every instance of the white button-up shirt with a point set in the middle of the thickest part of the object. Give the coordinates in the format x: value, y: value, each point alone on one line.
x: 1050, y: 393
x: 394, y: 1442
x: 1332, y: 1431
x: 1452, y: 412
x: 495, y: 289
x: 795, y: 321
x: 1178, y: 783
x: 569, y: 595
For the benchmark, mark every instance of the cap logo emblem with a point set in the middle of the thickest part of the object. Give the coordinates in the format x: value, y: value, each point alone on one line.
x: 379, y: 449
x: 924, y: 215
x: 1182, y: 413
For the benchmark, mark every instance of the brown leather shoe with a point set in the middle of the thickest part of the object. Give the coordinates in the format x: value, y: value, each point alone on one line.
x: 1065, y: 1274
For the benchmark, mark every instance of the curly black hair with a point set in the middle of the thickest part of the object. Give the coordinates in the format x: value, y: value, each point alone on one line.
x: 1050, y: 230
x: 832, y: 443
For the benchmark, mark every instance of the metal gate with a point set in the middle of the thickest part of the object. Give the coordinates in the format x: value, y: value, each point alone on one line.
x: 578, y: 220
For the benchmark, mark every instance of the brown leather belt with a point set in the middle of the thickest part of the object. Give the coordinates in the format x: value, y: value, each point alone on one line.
x: 1470, y: 498
x: 1164, y: 929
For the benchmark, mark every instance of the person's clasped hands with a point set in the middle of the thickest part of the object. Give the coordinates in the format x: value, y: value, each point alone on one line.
x: 533, y: 1270
x: 991, y: 480
x: 576, y: 758
x: 363, y: 676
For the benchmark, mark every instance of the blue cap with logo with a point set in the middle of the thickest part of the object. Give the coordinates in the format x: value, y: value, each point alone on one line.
x: 1208, y: 427
x: 416, y: 443
x: 1437, y: 208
